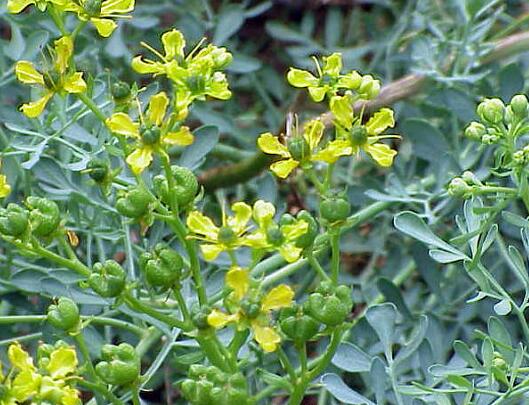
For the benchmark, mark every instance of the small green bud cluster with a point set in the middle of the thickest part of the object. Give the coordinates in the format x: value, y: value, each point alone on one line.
x: 464, y: 186
x: 521, y: 156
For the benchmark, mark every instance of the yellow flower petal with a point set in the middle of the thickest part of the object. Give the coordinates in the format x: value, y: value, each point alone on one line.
x: 63, y: 361
x: 284, y: 167
x: 332, y: 64
x: 27, y: 74
x: 146, y: 66
x: 243, y: 213
x: 182, y: 137
x: 342, y: 110
x: 295, y: 230
x: 74, y: 83
x: 267, y: 337
x: 64, y: 51
x: 199, y: 224
x: 219, y: 319
x: 256, y: 240
x: 157, y: 108
x: 70, y: 396
x: 211, y: 252
x: 278, y: 297
x: 110, y: 7
x: 263, y: 212
x: 25, y: 385
x: 140, y: 159
x: 238, y: 279
x: 301, y: 78
x: 122, y: 124
x: 19, y: 358
x: 35, y: 108
x: 270, y: 144
x: 332, y: 152
x: 317, y: 93
x: 380, y: 121
x: 173, y: 44
x: 381, y: 153
x: 16, y: 6
x: 290, y: 252
x: 312, y: 132
x: 104, y: 26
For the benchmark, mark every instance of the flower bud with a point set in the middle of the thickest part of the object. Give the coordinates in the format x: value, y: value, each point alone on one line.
x: 120, y: 91
x: 519, y: 105
x: 64, y: 315
x: 98, y: 170
x: 491, y: 110
x: 369, y: 87
x: 475, y: 130
x: 459, y: 188
x: 307, y: 239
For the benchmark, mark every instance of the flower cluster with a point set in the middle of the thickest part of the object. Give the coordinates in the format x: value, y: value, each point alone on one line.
x: 55, y: 79
x: 50, y: 381
x: 248, y: 307
x: 236, y: 231
x: 100, y: 13
x: 303, y: 148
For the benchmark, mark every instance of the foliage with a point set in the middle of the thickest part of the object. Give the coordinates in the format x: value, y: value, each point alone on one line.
x: 224, y: 220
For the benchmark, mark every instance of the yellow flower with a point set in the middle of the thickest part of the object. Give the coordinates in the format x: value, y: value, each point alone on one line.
x: 155, y: 132
x: 271, y: 236
x: 55, y: 80
x: 252, y: 309
x: 329, y: 80
x: 299, y: 149
x: 17, y: 6
x: 352, y: 136
x: 101, y: 13
x: 196, y: 75
x: 227, y: 237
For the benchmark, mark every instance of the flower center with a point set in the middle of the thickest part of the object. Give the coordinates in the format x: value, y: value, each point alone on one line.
x: 358, y: 136
x: 196, y: 84
x: 151, y: 135
x: 275, y: 236
x: 226, y: 235
x: 93, y: 8
x: 326, y: 80
x: 251, y: 309
x: 298, y: 147
x: 52, y: 80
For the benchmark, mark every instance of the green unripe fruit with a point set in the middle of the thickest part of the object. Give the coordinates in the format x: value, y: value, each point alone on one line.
x: 274, y: 235
x: 14, y: 220
x: 298, y: 147
x: 330, y: 305
x: 227, y: 235
x: 199, y: 317
x: 519, y: 104
x: 108, y: 279
x: 475, y: 131
x: 335, y: 209
x: 98, y: 170
x: 162, y: 269
x: 297, y: 325
x: 150, y: 136
x: 120, y: 91
x: 358, y: 135
x: 185, y: 188
x: 250, y: 308
x: 135, y: 203
x: 64, y: 315
x: 120, y: 365
x: 491, y: 110
x: 44, y: 216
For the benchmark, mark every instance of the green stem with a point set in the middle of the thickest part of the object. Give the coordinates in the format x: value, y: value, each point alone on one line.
x: 287, y: 365
x: 335, y: 255
x: 79, y: 339
x: 92, y: 106
x: 316, y: 265
x: 99, y: 388
x: 136, y: 395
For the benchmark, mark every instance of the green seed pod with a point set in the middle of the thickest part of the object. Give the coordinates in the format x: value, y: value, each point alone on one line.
x: 199, y: 316
x: 44, y: 216
x: 274, y: 235
x: 135, y: 203
x: 330, y: 305
x: 98, y: 170
x: 519, y: 104
x: 14, y: 220
x: 108, y: 279
x: 251, y: 308
x: 185, y: 190
x: 297, y: 325
x: 163, y: 268
x: 358, y: 135
x: 298, y: 148
x: 335, y: 208
x: 64, y: 315
x: 491, y: 110
x: 120, y: 365
x: 151, y: 135
x: 120, y: 91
